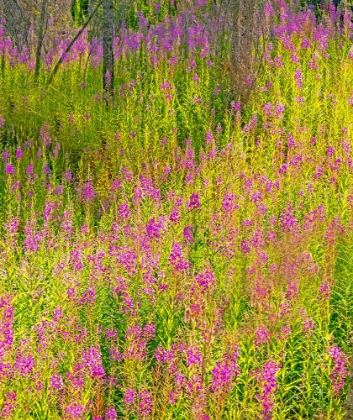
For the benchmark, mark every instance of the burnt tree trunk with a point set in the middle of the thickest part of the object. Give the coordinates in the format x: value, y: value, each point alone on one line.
x: 108, y: 55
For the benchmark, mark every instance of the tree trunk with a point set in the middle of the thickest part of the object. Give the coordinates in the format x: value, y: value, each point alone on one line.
x: 16, y: 22
x: 41, y: 33
x: 108, y: 55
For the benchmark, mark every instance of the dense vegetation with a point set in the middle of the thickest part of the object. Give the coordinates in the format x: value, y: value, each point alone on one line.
x: 179, y: 254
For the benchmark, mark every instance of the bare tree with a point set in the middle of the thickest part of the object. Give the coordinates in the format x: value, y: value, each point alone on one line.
x: 245, y: 24
x: 58, y: 64
x: 34, y: 24
x: 108, y: 54
x: 16, y: 20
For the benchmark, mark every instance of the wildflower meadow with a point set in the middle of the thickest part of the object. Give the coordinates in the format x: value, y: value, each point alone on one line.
x: 181, y: 252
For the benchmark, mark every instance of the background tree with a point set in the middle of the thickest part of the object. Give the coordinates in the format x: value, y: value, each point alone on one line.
x: 43, y: 23
x: 17, y: 22
x: 245, y: 25
x: 108, y: 53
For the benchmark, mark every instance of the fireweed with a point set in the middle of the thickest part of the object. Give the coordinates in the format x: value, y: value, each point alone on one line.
x: 180, y: 254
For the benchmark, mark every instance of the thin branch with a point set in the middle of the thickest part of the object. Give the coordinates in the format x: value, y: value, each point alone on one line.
x: 58, y: 64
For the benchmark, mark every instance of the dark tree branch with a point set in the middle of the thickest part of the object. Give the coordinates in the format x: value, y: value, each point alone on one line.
x: 108, y: 54
x: 58, y: 64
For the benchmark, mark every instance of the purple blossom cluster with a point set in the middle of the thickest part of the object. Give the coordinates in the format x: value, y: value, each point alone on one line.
x: 268, y: 378
x: 339, y: 371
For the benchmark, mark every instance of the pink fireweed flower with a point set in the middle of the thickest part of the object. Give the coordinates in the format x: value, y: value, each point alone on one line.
x: 9, y: 169
x: 251, y: 125
x: 268, y: 109
x: 268, y: 377
x: 12, y: 226
x: 291, y: 142
x: 111, y: 334
x: 149, y: 331
x: 111, y: 414
x: 176, y: 259
x: 129, y: 397
x: 46, y: 169
x: 107, y: 78
x: 74, y: 412
x: 206, y: 280
x: 89, y: 295
x: 59, y: 190
x: 285, y: 332
x: 5, y: 156
x: 88, y: 193
x: 68, y: 176
x: 283, y: 169
x: 225, y: 371
x: 56, y: 382
x: 144, y: 406
x: 153, y: 228
x: 209, y: 137
x: 324, y: 290
x: 188, y: 234
x: 339, y: 371
x: 308, y: 326
x: 228, y: 203
x: 6, y: 327
x: 71, y: 292
x: 330, y: 151
x: 39, y: 386
x: 32, y: 238
x: 44, y: 135
x: 261, y: 336
x: 193, y: 356
x: 164, y: 356
x: 298, y: 76
x: 92, y: 360
x: 245, y: 247
x: 236, y: 106
x: 288, y: 222
x: 19, y: 154
x: 24, y: 365
x: 194, y: 202
x: 174, y: 215
x: 124, y: 212
x: 257, y: 240
x: 9, y: 405
x: 115, y: 185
